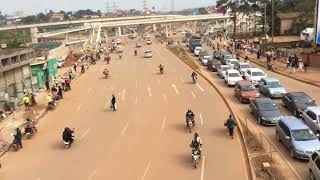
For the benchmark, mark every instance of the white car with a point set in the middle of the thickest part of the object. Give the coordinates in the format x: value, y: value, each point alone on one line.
x: 254, y: 75
x: 60, y: 63
x: 242, y: 67
x: 149, y: 41
x: 222, y: 70
x: 204, y: 60
x: 232, y: 77
x: 231, y: 62
x: 197, y: 50
x: 148, y: 54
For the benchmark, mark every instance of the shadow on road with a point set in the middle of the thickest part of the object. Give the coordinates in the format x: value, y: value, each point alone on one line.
x: 180, y: 127
x: 220, y: 132
x: 185, y: 160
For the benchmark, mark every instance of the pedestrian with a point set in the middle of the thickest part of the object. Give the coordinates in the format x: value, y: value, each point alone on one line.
x: 47, y: 85
x: 230, y: 125
x: 258, y: 54
x: 305, y: 65
x: 294, y: 64
x: 300, y: 65
x: 18, y: 138
x: 26, y: 101
x: 75, y: 67
x: 289, y: 60
x: 113, y: 103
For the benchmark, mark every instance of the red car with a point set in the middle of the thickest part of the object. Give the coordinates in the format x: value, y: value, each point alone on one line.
x: 245, y: 91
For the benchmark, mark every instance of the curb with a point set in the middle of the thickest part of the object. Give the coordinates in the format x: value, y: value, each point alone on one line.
x: 248, y: 167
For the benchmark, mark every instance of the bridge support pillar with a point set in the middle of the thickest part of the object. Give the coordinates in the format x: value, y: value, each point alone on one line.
x: 119, y: 31
x: 167, y: 33
x: 154, y: 27
x: 34, y: 37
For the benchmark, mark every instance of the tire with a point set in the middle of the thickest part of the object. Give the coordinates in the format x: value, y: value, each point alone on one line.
x: 311, y: 176
x: 250, y: 110
x: 292, y: 153
x: 278, y: 137
x: 195, y: 164
x: 260, y: 120
x: 295, y: 113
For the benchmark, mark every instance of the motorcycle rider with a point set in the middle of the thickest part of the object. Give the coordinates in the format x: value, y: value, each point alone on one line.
x: 189, y: 116
x: 67, y: 135
x: 135, y: 52
x: 120, y: 55
x: 196, y: 143
x: 18, y: 138
x: 230, y: 123
x: 161, y: 68
x: 82, y: 69
x: 30, y: 127
x: 106, y: 72
x: 194, y: 76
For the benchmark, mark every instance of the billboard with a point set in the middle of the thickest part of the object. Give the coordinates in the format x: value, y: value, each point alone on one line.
x: 318, y: 23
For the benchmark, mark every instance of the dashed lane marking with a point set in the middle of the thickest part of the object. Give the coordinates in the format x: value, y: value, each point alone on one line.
x: 201, y: 89
x: 164, y: 97
x: 201, y: 119
x: 123, y: 94
x: 193, y: 95
x: 125, y: 128
x: 79, y: 107
x: 149, y: 91
x: 146, y: 170
x: 175, y: 88
x: 163, y: 122
x: 202, y: 167
x: 136, y: 101
x: 85, y: 134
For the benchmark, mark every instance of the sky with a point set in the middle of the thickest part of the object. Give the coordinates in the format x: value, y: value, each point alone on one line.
x: 35, y: 6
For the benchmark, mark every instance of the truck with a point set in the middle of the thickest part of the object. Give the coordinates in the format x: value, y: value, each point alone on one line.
x: 195, y: 41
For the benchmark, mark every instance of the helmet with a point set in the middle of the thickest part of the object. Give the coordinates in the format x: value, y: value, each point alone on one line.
x: 196, y: 135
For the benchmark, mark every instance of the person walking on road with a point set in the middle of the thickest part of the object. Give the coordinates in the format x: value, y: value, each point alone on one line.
x: 75, y: 67
x: 305, y: 66
x: 18, y: 138
x: 230, y: 125
x: 113, y: 102
x: 47, y: 85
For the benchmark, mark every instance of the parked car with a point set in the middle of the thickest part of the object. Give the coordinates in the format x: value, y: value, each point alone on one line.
x: 254, y: 75
x: 311, y: 116
x: 222, y: 70
x: 314, y: 166
x: 213, y: 65
x: 217, y: 55
x: 297, y: 137
x: 231, y: 62
x: 138, y: 45
x: 203, y: 53
x: 204, y: 58
x: 297, y: 102
x: 60, y: 63
x: 148, y: 54
x: 245, y: 91
x: 197, y: 50
x: 149, y: 41
x: 242, y: 67
x: 271, y: 87
x: 265, y: 111
x: 225, y: 56
x: 232, y: 77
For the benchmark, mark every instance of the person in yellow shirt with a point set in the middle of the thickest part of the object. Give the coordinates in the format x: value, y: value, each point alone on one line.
x: 26, y: 101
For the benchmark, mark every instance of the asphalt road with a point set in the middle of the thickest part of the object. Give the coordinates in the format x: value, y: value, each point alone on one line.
x: 299, y: 166
x: 145, y: 139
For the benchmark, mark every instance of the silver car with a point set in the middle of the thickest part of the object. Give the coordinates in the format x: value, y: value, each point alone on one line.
x: 314, y: 166
x: 311, y: 117
x: 222, y: 70
x: 148, y: 54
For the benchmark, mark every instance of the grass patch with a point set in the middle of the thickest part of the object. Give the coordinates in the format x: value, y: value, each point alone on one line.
x: 183, y: 55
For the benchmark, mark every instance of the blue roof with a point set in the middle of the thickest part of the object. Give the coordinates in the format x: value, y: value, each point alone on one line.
x: 293, y: 123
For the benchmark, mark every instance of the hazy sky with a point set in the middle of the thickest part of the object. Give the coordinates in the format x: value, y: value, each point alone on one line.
x: 9, y: 6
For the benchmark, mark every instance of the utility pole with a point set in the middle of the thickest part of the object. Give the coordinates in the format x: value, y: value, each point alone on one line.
x: 272, y: 2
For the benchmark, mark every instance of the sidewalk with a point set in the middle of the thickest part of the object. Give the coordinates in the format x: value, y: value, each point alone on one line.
x: 18, y: 117
x: 280, y: 67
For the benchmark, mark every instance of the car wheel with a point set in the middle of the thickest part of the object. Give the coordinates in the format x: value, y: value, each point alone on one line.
x: 295, y: 113
x: 250, y: 109
x: 292, y: 153
x: 278, y: 137
x: 240, y: 99
x: 260, y: 120
x: 311, y: 176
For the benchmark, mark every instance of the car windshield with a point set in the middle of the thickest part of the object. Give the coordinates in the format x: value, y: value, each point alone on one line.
x: 303, y: 135
x: 245, y: 66
x: 247, y: 88
x: 234, y: 75
x: 233, y: 62
x: 274, y: 84
x: 224, y: 68
x: 228, y: 56
x: 267, y: 107
x: 257, y: 73
x: 198, y: 48
x: 302, y: 99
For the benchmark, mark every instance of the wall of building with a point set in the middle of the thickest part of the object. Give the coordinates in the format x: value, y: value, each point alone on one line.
x: 286, y: 24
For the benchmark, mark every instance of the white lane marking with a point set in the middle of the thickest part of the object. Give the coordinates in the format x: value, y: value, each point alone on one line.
x: 123, y: 94
x: 79, y: 107
x: 85, y: 134
x: 175, y: 88
x: 163, y: 122
x: 202, y: 168
x: 164, y: 97
x: 92, y: 174
x: 149, y: 91
x: 38, y: 178
x: 201, y: 120
x: 193, y: 95
x: 146, y: 170
x: 200, y: 87
x: 136, y: 101
x: 125, y: 128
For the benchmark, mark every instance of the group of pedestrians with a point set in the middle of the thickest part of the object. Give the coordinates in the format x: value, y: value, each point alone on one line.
x: 293, y: 62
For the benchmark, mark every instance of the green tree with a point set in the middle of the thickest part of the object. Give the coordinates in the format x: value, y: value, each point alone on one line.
x: 203, y: 11
x: 236, y: 7
x: 29, y: 20
x: 42, y: 17
x: 99, y: 13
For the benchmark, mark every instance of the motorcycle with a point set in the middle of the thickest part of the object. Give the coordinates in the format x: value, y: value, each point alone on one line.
x: 135, y: 53
x: 106, y: 75
x: 195, y: 157
x: 30, y: 129
x: 51, y: 105
x: 67, y: 143
x: 67, y: 87
x: 190, y: 124
x: 194, y: 79
x: 161, y: 70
